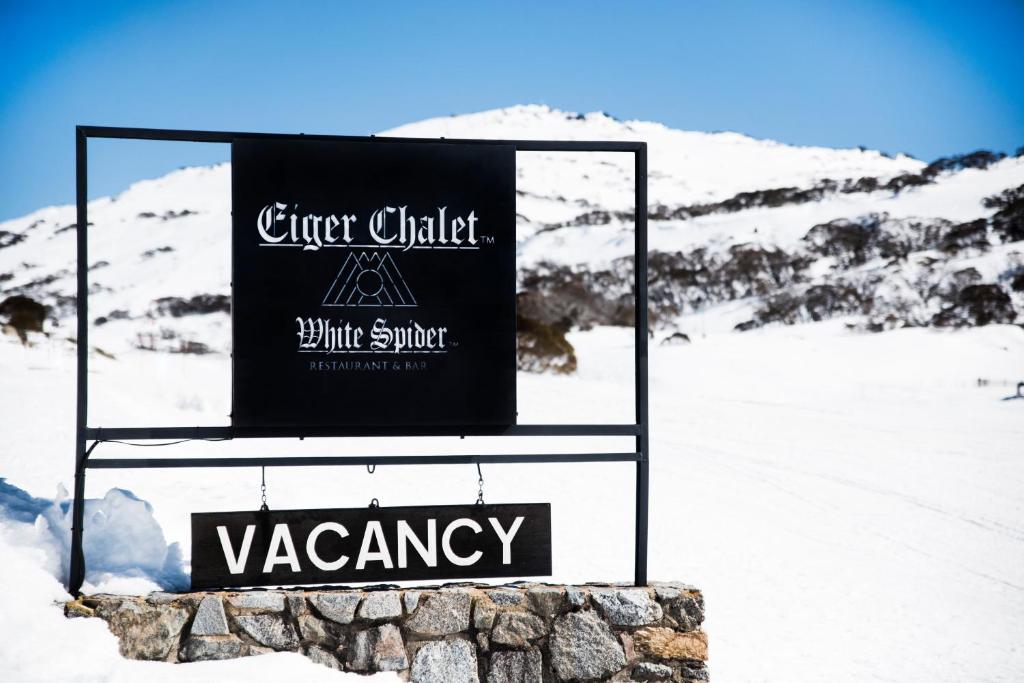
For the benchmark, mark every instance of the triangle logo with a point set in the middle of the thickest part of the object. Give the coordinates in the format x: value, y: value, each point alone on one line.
x: 369, y: 280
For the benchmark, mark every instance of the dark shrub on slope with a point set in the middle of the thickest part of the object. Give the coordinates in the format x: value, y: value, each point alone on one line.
x: 24, y: 315
x: 1008, y: 221
x: 977, y: 305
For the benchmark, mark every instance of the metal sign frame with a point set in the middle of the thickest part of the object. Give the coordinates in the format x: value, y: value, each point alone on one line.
x: 84, y: 434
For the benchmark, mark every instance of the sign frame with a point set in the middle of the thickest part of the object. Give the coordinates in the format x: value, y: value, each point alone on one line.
x: 87, y: 438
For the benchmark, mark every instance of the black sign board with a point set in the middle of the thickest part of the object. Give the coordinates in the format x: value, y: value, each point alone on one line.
x: 373, y: 284
x: 287, y: 547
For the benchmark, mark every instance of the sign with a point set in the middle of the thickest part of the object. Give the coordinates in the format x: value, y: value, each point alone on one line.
x: 373, y: 284
x: 287, y: 547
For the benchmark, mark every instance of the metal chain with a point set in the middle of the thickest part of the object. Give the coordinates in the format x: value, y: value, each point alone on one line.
x: 480, y: 486
x: 263, y: 489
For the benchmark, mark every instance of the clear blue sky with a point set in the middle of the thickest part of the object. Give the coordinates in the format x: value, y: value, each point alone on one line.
x: 929, y: 78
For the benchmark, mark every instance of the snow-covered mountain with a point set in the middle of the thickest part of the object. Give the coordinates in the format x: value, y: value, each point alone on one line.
x: 743, y: 232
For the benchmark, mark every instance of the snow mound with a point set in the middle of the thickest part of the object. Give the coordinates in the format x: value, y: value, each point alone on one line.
x: 125, y: 547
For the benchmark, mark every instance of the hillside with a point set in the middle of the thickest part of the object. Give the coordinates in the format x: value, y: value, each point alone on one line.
x: 743, y: 233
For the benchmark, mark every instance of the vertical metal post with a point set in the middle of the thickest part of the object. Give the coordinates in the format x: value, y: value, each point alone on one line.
x: 76, y: 572
x: 642, y: 418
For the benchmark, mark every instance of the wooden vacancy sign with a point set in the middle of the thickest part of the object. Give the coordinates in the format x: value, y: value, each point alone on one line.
x: 236, y: 549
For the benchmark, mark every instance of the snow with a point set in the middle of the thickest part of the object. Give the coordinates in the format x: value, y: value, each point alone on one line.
x: 849, y: 503
x: 39, y: 645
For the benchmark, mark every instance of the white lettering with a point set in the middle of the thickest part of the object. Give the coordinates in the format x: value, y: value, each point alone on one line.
x: 236, y: 564
x: 266, y: 223
x: 374, y: 532
x: 446, y: 543
x: 406, y: 535
x: 311, y: 546
x: 281, y: 536
x: 506, y: 537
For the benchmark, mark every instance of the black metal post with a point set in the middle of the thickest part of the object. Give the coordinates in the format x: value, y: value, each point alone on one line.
x: 76, y: 572
x: 640, y: 300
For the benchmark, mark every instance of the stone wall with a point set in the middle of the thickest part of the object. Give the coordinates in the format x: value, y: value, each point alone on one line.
x: 520, y: 632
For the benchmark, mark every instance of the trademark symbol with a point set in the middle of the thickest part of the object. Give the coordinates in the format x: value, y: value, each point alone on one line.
x: 487, y: 239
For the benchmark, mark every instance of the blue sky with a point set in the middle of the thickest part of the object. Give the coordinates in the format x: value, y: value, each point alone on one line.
x: 928, y: 78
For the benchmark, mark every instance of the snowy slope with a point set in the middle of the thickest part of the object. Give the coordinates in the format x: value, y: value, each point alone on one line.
x: 143, y: 238
x: 849, y: 503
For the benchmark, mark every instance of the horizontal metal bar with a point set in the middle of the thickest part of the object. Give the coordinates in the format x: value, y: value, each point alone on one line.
x: 169, y: 135
x: 144, y: 433
x: 323, y: 461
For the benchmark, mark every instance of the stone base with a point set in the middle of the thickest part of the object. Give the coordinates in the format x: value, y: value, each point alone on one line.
x: 520, y: 632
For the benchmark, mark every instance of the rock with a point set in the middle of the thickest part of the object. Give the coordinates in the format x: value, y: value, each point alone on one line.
x: 411, y: 600
x: 314, y: 630
x: 576, y: 597
x: 260, y: 600
x: 676, y: 339
x: 324, y: 657
x: 445, y: 661
x: 505, y: 597
x: 260, y: 650
x: 378, y: 649
x: 627, y: 647
x: 145, y: 631
x: 693, y: 674
x: 664, y: 643
x: 666, y: 592
x: 207, y: 648
x: 339, y: 607
x: 525, y: 666
x: 688, y: 611
x: 584, y: 647
x: 483, y: 642
x: 484, y: 612
x: 380, y: 605
x: 546, y: 600
x: 161, y: 598
x: 441, y: 614
x: 627, y: 606
x: 268, y: 629
x: 210, y: 619
x: 297, y: 604
x: 648, y: 671
x: 517, y: 629
x: 74, y: 609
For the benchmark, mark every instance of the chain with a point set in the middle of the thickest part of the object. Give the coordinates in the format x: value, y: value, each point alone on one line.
x: 263, y: 489
x: 480, y: 485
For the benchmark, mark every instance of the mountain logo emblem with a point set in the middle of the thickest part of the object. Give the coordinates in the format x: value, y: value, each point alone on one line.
x: 369, y: 280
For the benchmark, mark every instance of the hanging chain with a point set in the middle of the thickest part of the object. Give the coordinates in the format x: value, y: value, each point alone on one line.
x: 480, y: 485
x: 263, y: 489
